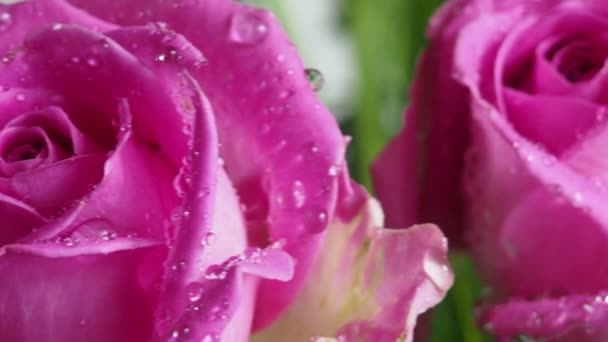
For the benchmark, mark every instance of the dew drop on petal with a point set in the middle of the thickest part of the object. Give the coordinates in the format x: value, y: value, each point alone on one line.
x: 208, y: 239
x: 600, y: 115
x: 92, y: 62
x: 195, y: 291
x: 247, y: 28
x: 5, y: 21
x: 299, y: 197
x: 437, y: 271
x: 209, y: 338
x: 333, y: 170
x: 316, y: 78
x: 107, y: 235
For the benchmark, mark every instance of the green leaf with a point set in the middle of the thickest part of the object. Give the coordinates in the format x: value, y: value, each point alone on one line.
x: 389, y: 35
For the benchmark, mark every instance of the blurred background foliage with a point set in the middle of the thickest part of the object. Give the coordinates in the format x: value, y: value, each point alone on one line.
x: 367, y: 51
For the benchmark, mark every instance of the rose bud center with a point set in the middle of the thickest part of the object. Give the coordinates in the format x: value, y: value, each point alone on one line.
x: 577, y: 61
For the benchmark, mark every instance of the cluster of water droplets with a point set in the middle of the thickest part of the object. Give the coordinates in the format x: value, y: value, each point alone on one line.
x: 201, y: 307
x: 173, y: 50
x: 77, y: 238
x: 252, y: 255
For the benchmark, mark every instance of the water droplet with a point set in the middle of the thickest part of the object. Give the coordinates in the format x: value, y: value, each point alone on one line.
x: 179, y: 266
x: 186, y: 213
x: 600, y: 115
x: 195, y: 291
x: 437, y: 271
x: 205, y: 191
x: 208, y: 239
x: 578, y: 199
x: 587, y: 308
x: 299, y: 197
x: 216, y: 272
x: 20, y: 97
x: 549, y: 160
x: 316, y: 78
x: 285, y: 93
x: 161, y: 58
x: 75, y: 59
x: 68, y: 242
x: 92, y: 62
x: 247, y: 28
x: 181, y: 182
x: 333, y: 170
x: 175, y: 334
x: 210, y: 338
x: 5, y: 21
x: 281, y: 58
x: 278, y: 244
x: 107, y: 235
x: 57, y: 26
x: 9, y: 57
x: 322, y: 216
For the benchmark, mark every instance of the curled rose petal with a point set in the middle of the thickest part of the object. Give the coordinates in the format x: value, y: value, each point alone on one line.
x: 59, y: 127
x: 368, y: 284
x: 220, y: 307
x: 290, y: 129
x: 50, y: 187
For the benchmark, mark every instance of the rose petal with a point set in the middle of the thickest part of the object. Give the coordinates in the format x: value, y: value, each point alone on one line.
x: 588, y: 156
x: 133, y: 83
x: 22, y: 217
x: 49, y: 62
x: 79, y: 296
x: 554, y: 122
x: 368, y: 283
x: 515, y: 190
x: 506, y: 174
x: 21, y: 24
x: 58, y: 126
x: 290, y: 128
x: 52, y: 186
x: 572, y: 318
x: 116, y: 199
x: 22, y: 149
x: 224, y: 306
x: 221, y: 307
x: 16, y: 101
x: 535, y: 36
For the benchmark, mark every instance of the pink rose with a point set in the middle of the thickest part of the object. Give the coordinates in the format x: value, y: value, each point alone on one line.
x: 149, y: 192
x: 506, y: 141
